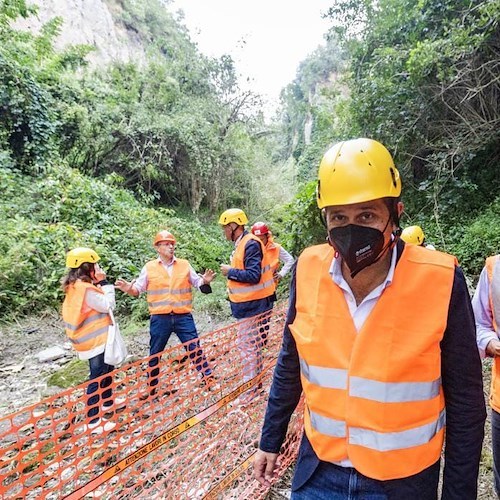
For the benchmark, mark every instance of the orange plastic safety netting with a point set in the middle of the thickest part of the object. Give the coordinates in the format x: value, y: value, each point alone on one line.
x: 190, y: 436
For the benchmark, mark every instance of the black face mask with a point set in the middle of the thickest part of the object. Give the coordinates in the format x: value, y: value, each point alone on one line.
x: 359, y: 246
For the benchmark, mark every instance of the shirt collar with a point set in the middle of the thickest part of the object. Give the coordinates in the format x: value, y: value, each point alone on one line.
x: 336, y: 269
x: 238, y: 239
x: 172, y: 262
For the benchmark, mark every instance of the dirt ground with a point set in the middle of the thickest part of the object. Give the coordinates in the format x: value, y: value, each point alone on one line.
x: 23, y: 379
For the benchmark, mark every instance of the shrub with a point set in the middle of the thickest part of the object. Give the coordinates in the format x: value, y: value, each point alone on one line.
x: 42, y: 218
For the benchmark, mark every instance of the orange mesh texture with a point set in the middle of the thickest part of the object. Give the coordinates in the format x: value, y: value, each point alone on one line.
x: 194, y: 437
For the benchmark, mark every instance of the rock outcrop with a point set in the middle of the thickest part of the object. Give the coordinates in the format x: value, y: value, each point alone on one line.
x: 91, y: 22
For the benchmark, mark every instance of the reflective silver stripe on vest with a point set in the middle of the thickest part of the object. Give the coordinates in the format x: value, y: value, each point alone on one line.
x: 253, y: 288
x: 85, y: 322
x: 162, y: 303
x: 495, y: 291
x: 387, y: 441
x: 332, y: 378
x: 328, y: 426
x: 393, y: 392
x: 265, y: 268
x: 90, y: 335
x: 166, y: 290
x: 384, y: 392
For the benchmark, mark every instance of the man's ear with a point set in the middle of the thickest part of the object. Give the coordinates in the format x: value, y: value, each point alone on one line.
x: 322, y: 216
x: 400, y: 208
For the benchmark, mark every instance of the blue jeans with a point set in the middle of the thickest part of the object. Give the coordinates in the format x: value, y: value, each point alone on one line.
x: 161, y: 326
x: 332, y: 482
x: 98, y: 368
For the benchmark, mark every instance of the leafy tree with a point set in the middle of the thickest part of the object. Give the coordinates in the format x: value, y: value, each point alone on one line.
x: 179, y: 147
x: 422, y: 82
x: 32, y: 78
x: 43, y: 218
x: 420, y: 79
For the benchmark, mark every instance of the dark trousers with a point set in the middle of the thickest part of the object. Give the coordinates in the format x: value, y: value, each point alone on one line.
x: 495, y: 443
x: 161, y: 327
x: 98, y: 368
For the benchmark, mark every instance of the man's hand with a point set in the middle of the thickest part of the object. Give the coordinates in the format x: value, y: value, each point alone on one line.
x: 493, y: 348
x: 264, y: 466
x: 126, y: 286
x: 224, y: 269
x: 208, y: 276
x: 276, y: 277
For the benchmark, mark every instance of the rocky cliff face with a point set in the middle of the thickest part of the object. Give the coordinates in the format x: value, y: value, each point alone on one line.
x: 90, y: 22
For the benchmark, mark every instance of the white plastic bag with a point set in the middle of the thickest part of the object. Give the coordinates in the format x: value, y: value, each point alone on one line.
x: 116, y: 350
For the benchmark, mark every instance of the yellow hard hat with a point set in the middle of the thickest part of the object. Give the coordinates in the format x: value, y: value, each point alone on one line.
x: 164, y: 236
x: 413, y: 234
x: 233, y: 215
x: 76, y: 257
x: 355, y: 171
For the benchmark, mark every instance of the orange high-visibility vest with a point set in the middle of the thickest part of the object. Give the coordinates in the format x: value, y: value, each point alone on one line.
x: 273, y: 252
x: 244, y: 292
x: 167, y: 294
x: 493, y: 271
x: 86, y: 331
x: 374, y: 396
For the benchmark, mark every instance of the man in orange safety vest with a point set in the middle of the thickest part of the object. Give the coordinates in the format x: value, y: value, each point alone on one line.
x: 275, y: 255
x: 250, y: 286
x: 168, y: 281
x: 380, y: 338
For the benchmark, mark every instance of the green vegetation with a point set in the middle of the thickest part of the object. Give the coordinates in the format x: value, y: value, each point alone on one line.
x: 94, y: 157
x: 44, y: 217
x: 422, y: 78
x: 106, y: 157
x: 70, y: 375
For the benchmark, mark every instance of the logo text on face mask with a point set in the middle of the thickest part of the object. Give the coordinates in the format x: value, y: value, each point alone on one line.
x: 363, y: 250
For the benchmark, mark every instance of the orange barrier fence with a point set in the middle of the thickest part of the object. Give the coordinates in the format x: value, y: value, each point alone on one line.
x: 190, y: 436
